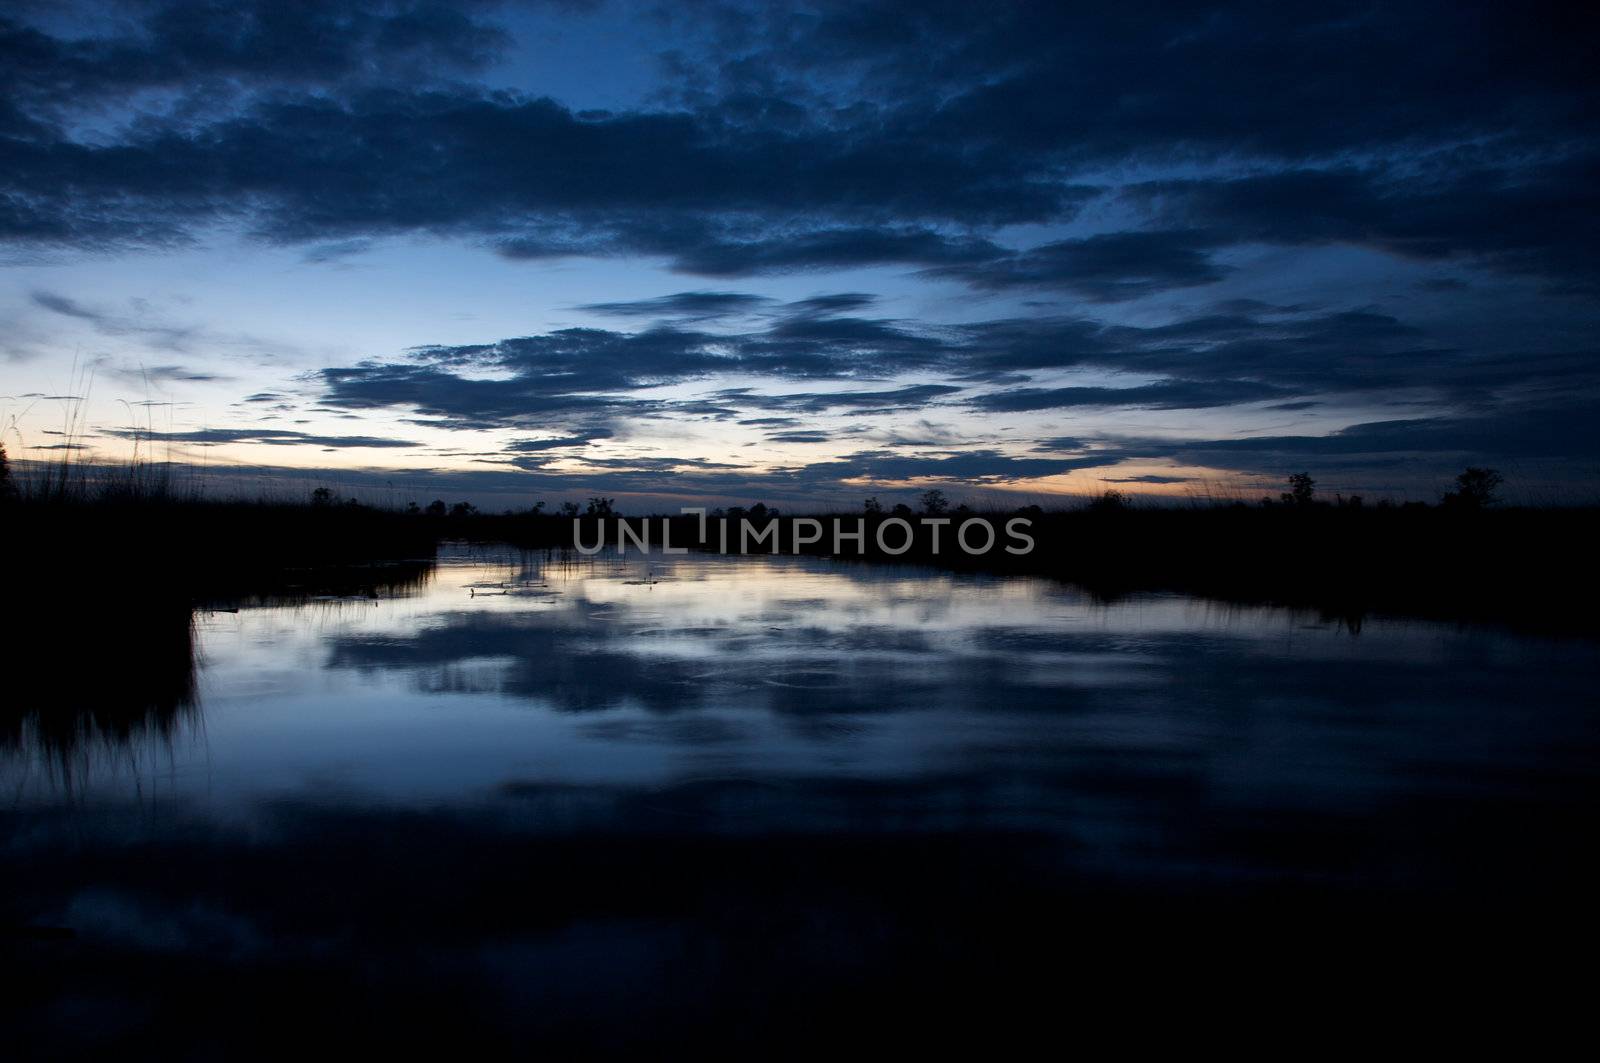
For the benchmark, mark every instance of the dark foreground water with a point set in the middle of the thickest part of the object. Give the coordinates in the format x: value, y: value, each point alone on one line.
x: 785, y: 804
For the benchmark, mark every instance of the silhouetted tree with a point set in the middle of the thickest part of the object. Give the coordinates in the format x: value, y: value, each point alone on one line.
x: 1302, y: 490
x: 412, y: 507
x: 436, y: 508
x: 934, y: 502
x: 1475, y: 489
x: 322, y: 496
x: 873, y: 507
x: 7, y: 488
x: 1109, y: 502
x: 463, y: 509
x: 902, y: 510
x: 601, y: 507
x: 569, y: 509
x: 759, y: 511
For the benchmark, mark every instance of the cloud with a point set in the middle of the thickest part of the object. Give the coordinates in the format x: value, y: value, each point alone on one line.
x: 266, y: 436
x: 1561, y: 429
x: 315, y: 169
x: 1483, y: 208
x: 567, y: 382
x: 528, y: 446
x: 1167, y: 395
x: 1110, y: 267
x: 979, y: 466
x: 141, y: 324
x: 801, y: 437
x: 595, y: 371
x: 182, y: 45
x: 832, y: 248
x: 66, y: 307
x: 912, y: 396
x: 162, y: 374
x: 1147, y: 479
x: 696, y: 305
x: 836, y: 303
x: 872, y: 134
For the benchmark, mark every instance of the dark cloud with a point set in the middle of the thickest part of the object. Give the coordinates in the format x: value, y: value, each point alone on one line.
x: 1510, y: 214
x: 1269, y: 80
x: 1561, y: 429
x: 455, y: 401
x: 912, y: 396
x: 1105, y: 268
x: 698, y: 305
x: 526, y: 446
x: 184, y: 45
x: 1167, y: 395
x: 979, y: 466
x: 864, y: 134
x: 801, y: 437
x: 1147, y: 479
x: 555, y: 373
x: 836, y: 248
x: 568, y: 382
x: 837, y: 303
x: 268, y: 436
x: 612, y: 472
x: 586, y: 371
x: 456, y: 161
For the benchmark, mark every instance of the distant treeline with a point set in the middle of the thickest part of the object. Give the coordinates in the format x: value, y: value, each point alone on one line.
x: 1465, y: 558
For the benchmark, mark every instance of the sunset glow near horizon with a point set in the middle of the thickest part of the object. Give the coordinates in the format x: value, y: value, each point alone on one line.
x: 723, y: 254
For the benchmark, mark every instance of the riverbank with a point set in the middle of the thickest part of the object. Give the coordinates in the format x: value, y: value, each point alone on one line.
x: 1526, y: 568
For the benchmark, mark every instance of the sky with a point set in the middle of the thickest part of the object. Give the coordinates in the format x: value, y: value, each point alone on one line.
x: 803, y: 253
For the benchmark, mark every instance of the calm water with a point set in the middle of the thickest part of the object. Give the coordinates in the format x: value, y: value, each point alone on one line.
x: 614, y: 803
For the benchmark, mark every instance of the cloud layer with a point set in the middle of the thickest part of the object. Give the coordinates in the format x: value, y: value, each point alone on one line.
x: 1081, y: 193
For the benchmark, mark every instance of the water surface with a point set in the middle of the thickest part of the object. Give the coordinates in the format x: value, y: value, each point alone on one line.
x: 713, y: 793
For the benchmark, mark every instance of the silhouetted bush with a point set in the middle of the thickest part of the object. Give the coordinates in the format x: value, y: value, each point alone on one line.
x: 1109, y: 502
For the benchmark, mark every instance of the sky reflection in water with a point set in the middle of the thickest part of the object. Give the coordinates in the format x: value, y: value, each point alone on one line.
x: 546, y: 801
x: 1031, y: 702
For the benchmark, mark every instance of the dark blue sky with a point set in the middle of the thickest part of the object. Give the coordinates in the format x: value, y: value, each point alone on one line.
x: 807, y: 252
